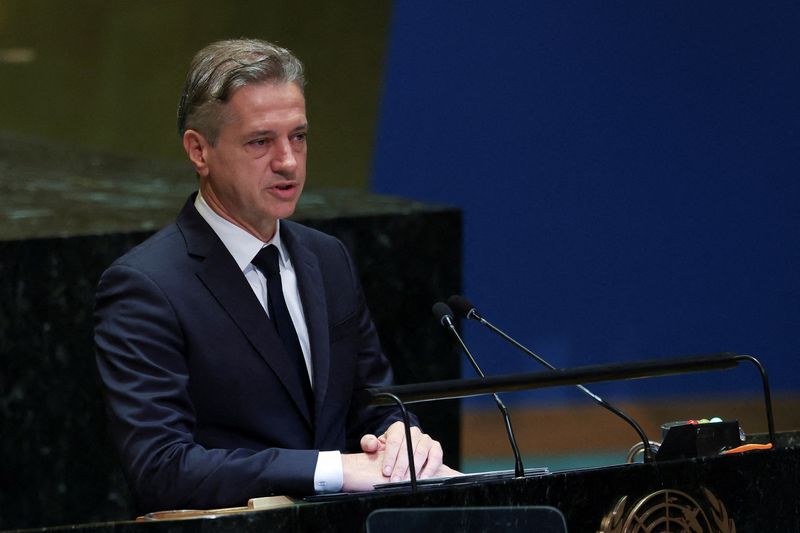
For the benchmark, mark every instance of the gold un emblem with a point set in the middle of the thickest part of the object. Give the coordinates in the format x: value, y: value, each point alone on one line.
x: 669, y: 510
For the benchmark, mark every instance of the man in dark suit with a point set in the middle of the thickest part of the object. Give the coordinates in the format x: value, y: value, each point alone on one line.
x: 233, y: 344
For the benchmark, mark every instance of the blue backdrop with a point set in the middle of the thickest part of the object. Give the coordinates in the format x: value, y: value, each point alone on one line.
x: 628, y: 172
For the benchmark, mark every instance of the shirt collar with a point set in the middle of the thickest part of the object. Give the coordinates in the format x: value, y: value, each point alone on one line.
x: 242, y: 245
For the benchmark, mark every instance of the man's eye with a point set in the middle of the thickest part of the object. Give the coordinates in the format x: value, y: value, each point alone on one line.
x: 300, y: 137
x: 258, y: 142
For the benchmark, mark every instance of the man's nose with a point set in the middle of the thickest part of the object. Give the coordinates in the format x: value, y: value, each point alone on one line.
x: 285, y: 159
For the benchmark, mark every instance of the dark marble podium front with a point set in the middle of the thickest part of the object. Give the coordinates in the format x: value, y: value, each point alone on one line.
x: 753, y: 492
x: 66, y: 214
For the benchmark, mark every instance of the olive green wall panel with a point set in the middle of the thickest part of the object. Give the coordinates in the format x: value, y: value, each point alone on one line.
x: 107, y: 74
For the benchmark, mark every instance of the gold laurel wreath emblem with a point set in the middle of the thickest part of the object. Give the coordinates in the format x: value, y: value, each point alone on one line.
x: 668, y: 510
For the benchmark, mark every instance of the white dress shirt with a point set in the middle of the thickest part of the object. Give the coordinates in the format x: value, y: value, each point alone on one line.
x: 243, y: 247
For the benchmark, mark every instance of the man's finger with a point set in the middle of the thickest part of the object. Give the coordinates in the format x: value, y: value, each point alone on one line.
x: 370, y: 444
x: 401, y: 466
x: 433, y: 461
x: 394, y: 452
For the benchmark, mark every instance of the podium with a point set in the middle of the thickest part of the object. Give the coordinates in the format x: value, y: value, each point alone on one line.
x: 745, y: 491
x: 749, y: 492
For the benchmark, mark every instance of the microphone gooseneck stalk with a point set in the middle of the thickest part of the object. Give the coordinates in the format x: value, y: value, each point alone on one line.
x: 467, y: 310
x: 445, y: 316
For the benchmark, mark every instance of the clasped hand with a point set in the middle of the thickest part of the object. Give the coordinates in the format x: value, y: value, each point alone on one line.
x: 385, y: 459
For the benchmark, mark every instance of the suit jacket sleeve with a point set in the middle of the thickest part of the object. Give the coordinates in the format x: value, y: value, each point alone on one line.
x: 141, y: 359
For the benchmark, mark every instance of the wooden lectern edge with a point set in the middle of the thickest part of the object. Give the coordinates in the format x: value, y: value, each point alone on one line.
x: 270, y: 502
x: 253, y: 504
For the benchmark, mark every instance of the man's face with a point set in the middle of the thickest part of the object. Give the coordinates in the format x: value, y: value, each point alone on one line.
x: 256, y: 171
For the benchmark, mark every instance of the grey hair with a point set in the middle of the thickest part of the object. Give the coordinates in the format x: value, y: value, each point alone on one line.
x: 221, y: 68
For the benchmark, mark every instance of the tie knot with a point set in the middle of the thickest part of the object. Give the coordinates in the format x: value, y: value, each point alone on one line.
x: 267, y: 260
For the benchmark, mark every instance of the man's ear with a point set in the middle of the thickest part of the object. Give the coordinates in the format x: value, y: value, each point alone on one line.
x: 196, y: 147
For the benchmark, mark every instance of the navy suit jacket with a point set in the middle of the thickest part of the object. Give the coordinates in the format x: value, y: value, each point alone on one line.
x: 203, y: 403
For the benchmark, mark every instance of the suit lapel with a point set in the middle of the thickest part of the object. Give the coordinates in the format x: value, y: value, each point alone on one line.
x: 221, y: 275
x: 312, y: 296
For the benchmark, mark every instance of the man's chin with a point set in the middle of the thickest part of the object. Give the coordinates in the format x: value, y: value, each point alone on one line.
x: 285, y: 211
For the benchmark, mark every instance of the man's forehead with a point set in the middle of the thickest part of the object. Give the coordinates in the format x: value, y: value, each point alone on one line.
x: 263, y: 101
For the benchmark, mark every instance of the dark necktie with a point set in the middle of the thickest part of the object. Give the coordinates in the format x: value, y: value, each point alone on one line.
x: 267, y: 261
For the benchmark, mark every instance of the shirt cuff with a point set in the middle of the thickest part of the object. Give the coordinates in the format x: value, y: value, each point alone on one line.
x: 328, y: 475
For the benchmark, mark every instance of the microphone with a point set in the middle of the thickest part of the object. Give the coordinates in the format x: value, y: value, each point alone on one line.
x: 465, y: 308
x: 445, y: 317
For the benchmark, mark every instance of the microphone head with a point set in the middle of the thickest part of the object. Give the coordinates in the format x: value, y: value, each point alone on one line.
x: 462, y: 306
x: 443, y: 313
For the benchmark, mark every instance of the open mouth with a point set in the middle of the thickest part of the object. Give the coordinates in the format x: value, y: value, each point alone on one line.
x: 285, y: 190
